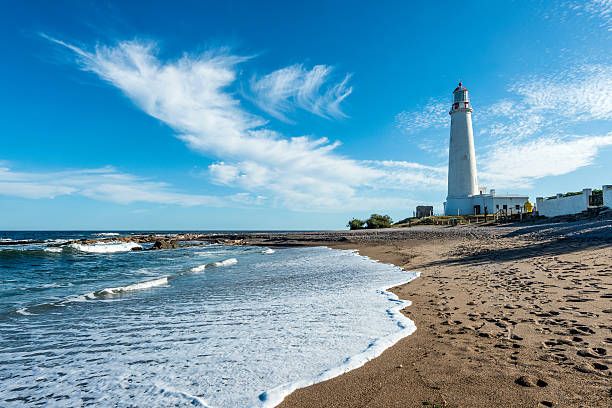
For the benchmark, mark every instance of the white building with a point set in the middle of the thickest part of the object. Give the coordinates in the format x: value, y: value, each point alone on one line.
x: 464, y: 196
x: 574, y: 203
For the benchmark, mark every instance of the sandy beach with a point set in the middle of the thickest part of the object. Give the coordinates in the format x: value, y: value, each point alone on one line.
x: 506, y: 316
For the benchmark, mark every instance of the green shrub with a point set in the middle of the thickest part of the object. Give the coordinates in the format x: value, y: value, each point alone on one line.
x: 375, y: 221
x: 356, y: 224
x: 378, y: 221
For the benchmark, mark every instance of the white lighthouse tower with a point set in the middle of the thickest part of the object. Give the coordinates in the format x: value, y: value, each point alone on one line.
x: 462, y: 177
x: 464, y: 196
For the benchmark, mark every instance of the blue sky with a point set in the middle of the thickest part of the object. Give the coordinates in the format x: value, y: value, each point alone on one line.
x: 236, y: 115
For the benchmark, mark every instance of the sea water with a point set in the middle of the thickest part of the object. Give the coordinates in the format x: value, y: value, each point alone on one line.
x: 209, y: 325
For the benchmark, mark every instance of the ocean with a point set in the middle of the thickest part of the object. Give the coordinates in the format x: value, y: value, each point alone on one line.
x: 205, y: 325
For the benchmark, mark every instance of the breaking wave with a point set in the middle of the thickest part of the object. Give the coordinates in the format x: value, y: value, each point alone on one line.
x: 105, y: 293
x: 226, y: 262
x: 109, y: 292
x: 106, y: 247
x: 198, y: 268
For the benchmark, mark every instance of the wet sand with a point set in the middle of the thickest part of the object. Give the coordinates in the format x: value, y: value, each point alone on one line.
x: 506, y: 316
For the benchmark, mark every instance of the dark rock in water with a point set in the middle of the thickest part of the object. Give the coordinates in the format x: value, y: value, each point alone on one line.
x: 138, y: 248
x: 164, y: 244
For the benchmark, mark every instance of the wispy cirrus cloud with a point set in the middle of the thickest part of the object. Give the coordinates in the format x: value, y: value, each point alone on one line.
x: 600, y: 9
x: 434, y: 115
x: 106, y: 184
x: 579, y: 94
x: 511, y: 165
x: 286, y: 89
x: 196, y: 96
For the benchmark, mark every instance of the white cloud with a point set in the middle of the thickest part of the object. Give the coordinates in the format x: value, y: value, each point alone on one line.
x: 528, y: 137
x: 104, y: 184
x: 580, y: 94
x: 601, y: 9
x: 283, y: 90
x: 434, y: 115
x: 508, y: 120
x: 518, y: 165
x: 194, y: 96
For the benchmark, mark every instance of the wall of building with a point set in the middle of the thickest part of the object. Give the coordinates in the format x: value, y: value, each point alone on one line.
x: 424, y: 211
x: 494, y: 203
x: 554, y: 207
x: 458, y: 206
x: 511, y: 204
x: 607, y: 196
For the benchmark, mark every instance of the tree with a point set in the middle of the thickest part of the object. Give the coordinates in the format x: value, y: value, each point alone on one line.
x: 378, y: 221
x: 356, y: 224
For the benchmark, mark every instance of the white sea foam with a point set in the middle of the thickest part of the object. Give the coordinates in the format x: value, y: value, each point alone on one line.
x: 133, y: 287
x: 24, y: 312
x: 276, y: 395
x: 57, y: 285
x: 180, y: 397
x: 54, y: 249
x: 106, y: 247
x: 226, y: 262
x: 110, y: 292
x: 199, y: 268
x: 275, y: 323
x: 107, y: 234
x: 268, y: 251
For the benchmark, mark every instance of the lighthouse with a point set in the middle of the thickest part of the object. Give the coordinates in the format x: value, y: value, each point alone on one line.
x: 462, y: 177
x: 464, y: 196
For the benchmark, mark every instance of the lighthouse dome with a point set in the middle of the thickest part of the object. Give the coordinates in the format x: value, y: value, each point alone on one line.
x: 460, y: 87
x: 460, y: 94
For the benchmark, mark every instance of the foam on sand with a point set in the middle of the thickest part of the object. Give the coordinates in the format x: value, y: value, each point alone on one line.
x: 226, y: 262
x: 106, y: 247
x: 275, y: 396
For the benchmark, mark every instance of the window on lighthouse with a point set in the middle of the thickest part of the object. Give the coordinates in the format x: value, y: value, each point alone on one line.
x: 460, y: 96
